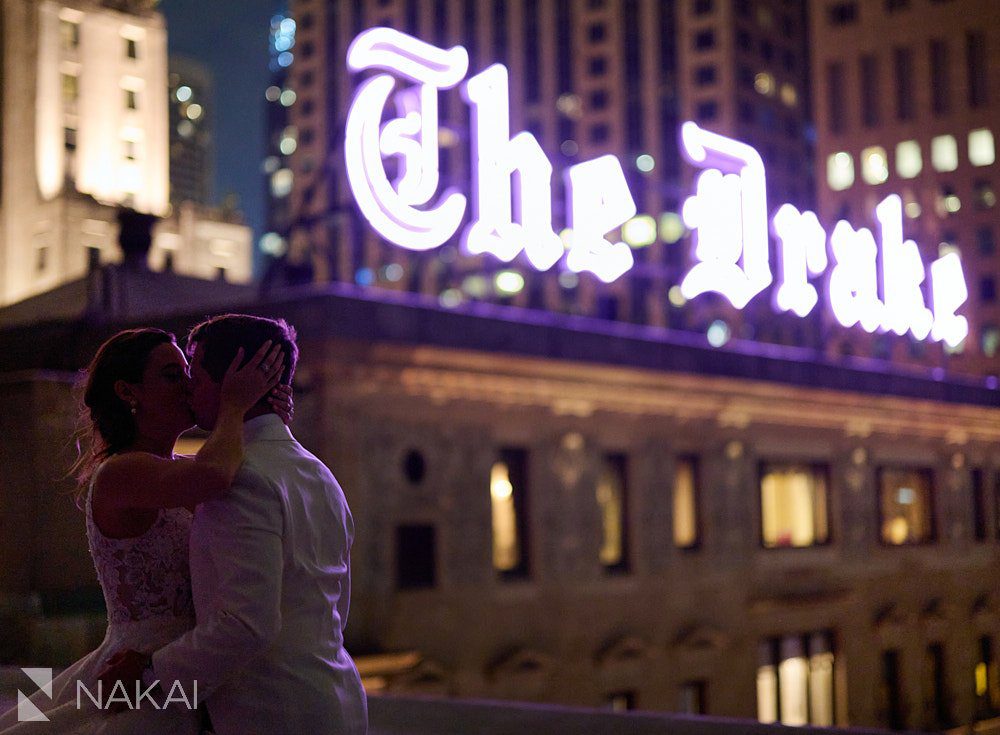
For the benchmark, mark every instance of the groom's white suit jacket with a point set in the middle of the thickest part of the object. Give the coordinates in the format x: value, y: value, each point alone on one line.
x: 270, y: 571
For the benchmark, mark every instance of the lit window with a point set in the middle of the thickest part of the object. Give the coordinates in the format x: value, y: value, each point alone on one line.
x: 281, y: 183
x: 508, y: 479
x: 795, y: 680
x: 874, y: 165
x: 793, y: 501
x: 686, y: 503
x: 764, y: 83
x: 612, y: 502
x: 987, y: 680
x: 639, y: 231
x: 981, y: 149
x: 984, y: 194
x: 990, y: 340
x: 909, y: 161
x: 788, y: 95
x: 840, y: 171
x: 944, y: 153
x: 905, y: 503
x: 947, y: 201
x: 70, y: 88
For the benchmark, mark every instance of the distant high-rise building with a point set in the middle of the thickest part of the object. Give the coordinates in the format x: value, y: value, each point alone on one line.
x: 85, y: 130
x: 192, y: 147
x: 281, y: 139
x: 908, y: 102
x: 586, y: 78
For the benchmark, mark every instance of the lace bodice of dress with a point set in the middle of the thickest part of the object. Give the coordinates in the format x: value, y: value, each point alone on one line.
x: 146, y: 576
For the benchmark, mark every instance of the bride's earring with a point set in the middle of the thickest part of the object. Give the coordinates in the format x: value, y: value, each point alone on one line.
x: 133, y: 409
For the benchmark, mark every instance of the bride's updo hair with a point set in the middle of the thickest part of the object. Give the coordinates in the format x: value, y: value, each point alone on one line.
x: 106, y: 423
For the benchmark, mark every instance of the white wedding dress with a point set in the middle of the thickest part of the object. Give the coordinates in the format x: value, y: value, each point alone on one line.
x: 147, y: 590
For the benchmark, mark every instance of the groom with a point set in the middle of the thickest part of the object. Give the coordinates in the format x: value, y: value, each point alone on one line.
x: 270, y: 570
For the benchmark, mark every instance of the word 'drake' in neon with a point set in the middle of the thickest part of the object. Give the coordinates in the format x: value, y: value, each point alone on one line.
x: 874, y: 284
x: 512, y: 176
x: 877, y: 284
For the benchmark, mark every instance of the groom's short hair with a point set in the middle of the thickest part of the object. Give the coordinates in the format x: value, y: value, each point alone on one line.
x: 221, y: 336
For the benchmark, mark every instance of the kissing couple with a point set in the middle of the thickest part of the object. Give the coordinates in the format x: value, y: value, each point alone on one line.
x: 226, y: 575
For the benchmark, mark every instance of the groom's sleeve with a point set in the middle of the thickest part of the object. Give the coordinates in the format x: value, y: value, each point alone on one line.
x: 243, y: 536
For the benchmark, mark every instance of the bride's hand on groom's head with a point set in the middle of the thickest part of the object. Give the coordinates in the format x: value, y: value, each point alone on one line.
x: 243, y: 386
x: 281, y: 401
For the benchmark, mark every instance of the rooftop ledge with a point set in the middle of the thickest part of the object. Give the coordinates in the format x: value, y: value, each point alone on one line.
x: 394, y: 715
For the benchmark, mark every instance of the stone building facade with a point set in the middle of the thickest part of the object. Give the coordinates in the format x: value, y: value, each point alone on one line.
x: 679, y: 583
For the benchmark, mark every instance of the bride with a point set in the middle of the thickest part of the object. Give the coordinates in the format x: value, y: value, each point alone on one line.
x: 138, y: 499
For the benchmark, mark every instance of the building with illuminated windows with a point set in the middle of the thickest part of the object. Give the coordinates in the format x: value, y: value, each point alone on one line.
x: 560, y: 509
x: 281, y: 138
x: 908, y: 101
x: 192, y: 159
x: 85, y: 121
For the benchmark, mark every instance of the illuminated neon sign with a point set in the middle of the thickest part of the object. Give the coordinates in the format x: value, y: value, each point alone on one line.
x: 877, y: 284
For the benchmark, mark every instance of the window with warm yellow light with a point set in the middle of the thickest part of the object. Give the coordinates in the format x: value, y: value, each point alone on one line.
x: 507, y: 502
x: 906, y: 506
x: 794, y: 505
x: 795, y: 683
x: 686, y: 503
x: 611, y: 501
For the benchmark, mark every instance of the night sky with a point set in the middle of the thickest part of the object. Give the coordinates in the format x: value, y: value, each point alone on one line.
x: 230, y: 37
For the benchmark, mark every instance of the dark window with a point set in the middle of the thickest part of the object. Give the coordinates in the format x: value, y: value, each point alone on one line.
x: 892, y: 691
x: 306, y: 21
x: 978, y: 480
x: 414, y: 467
x: 935, y: 688
x: 984, y: 195
x: 903, y: 62
x: 744, y: 41
x: 835, y: 96
x: 940, y: 87
x: 131, y: 48
x: 307, y: 50
x: 598, y: 133
x: 840, y: 14
x: 767, y: 50
x: 595, y: 4
x: 869, y: 91
x: 307, y: 107
x: 499, y: 30
x: 41, y: 258
x: 703, y: 7
x: 704, y: 40
x: 415, y: 555
x: 987, y: 290
x: 532, y: 51
x: 985, y: 244
x: 597, y: 32
x: 598, y: 99
x: 693, y: 698
x: 69, y: 138
x: 745, y: 111
x: 744, y: 76
x: 894, y: 6
x: 131, y: 100
x: 788, y: 60
x: 975, y: 56
x: 707, y: 110
x: 597, y: 66
x: 704, y: 75
x: 743, y: 8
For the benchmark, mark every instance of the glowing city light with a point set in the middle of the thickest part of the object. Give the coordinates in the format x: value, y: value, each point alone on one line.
x: 880, y: 284
x: 183, y: 93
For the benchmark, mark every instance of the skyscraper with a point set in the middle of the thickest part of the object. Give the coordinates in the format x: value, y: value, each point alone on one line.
x: 192, y: 147
x: 908, y: 103
x: 84, y: 123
